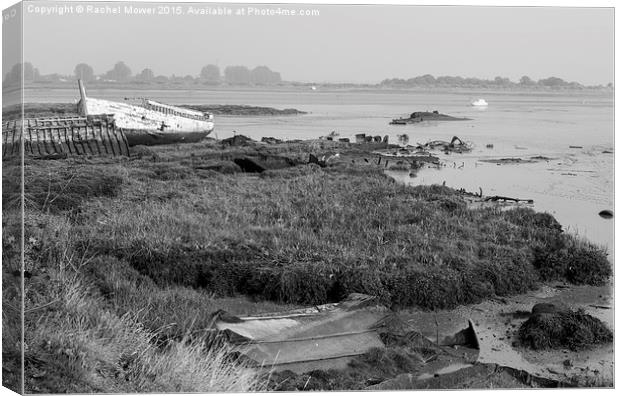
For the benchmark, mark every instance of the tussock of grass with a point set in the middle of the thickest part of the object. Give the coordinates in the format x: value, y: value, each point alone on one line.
x: 576, y: 260
x: 57, y: 187
x: 575, y: 330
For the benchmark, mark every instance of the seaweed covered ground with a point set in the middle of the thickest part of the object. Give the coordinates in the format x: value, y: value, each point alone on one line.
x: 126, y: 259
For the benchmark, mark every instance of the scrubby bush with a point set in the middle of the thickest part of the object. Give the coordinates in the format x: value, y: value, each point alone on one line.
x: 578, y: 261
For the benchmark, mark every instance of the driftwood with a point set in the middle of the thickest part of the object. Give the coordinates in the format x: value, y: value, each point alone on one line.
x: 500, y: 198
x: 494, y: 198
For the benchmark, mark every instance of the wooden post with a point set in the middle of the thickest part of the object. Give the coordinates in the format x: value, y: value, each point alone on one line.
x: 83, y: 107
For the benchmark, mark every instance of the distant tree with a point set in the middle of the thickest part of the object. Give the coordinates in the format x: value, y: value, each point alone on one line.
x: 426, y: 79
x: 120, y: 72
x: 84, y: 72
x: 263, y: 75
x: 449, y: 81
x: 146, y: 75
x: 161, y: 79
x: 237, y: 75
x: 502, y: 81
x: 552, y: 82
x: 211, y: 74
x: 19, y: 70
x: 393, y: 81
x: 610, y: 85
x: 525, y: 80
x: 31, y: 73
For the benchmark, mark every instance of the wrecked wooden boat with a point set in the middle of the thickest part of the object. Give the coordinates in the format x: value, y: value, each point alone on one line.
x: 147, y: 122
x: 59, y: 137
x: 420, y: 116
x: 319, y: 338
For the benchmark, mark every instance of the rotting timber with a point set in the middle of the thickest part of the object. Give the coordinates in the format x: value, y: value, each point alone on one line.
x: 59, y: 137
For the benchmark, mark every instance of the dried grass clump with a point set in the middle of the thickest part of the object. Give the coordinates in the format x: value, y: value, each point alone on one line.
x: 575, y: 330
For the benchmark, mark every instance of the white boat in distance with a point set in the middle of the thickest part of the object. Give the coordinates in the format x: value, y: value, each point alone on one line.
x: 479, y: 103
x: 148, y: 122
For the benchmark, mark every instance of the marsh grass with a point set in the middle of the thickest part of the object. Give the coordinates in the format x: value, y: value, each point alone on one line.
x: 129, y: 258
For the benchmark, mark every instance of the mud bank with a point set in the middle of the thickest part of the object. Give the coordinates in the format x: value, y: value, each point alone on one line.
x: 32, y: 110
x: 497, y: 323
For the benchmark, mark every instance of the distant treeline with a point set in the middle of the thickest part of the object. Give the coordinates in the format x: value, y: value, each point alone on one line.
x: 428, y: 80
x: 262, y: 75
x: 121, y: 73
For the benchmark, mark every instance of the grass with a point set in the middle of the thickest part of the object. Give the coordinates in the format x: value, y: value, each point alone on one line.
x: 575, y: 330
x: 128, y: 258
x: 11, y: 280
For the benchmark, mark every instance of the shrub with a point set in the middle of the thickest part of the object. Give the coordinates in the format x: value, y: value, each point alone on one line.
x: 578, y: 261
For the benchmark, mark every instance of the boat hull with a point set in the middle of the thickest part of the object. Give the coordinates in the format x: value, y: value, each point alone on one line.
x: 130, y: 116
x: 137, y: 137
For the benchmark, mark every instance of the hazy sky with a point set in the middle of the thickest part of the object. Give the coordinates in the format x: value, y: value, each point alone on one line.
x: 343, y: 44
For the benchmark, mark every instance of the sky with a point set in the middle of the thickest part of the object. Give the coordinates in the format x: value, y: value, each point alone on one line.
x: 361, y: 44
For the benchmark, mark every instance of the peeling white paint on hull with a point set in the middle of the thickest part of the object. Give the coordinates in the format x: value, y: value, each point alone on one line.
x: 149, y: 122
x: 129, y: 116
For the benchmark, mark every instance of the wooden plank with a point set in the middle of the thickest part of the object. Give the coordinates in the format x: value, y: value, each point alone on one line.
x: 109, y: 138
x: 5, y: 138
x: 68, y: 143
x: 13, y: 141
x: 103, y: 139
x: 30, y: 148
x: 125, y: 145
x: 97, y: 139
x: 60, y: 140
x: 75, y: 139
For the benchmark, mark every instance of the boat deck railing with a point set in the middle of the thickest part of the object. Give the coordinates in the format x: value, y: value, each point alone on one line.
x: 170, y: 111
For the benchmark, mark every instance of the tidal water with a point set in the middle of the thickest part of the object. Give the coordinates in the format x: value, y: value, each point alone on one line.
x: 575, y: 184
